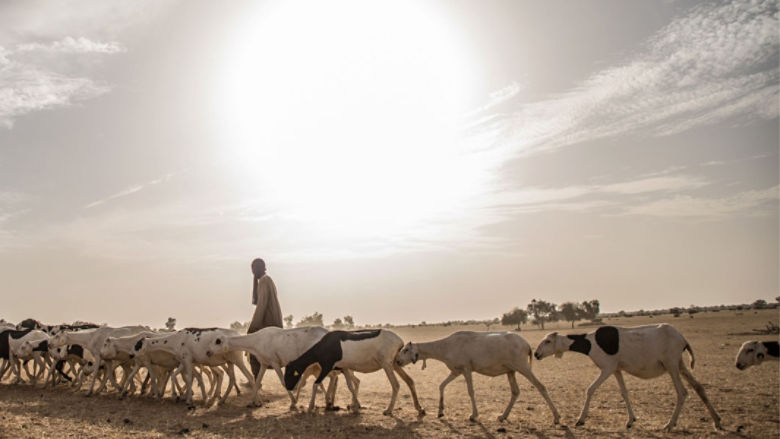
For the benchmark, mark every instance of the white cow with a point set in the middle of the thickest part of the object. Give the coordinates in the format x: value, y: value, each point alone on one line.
x: 643, y: 351
x: 92, y: 340
x: 753, y: 353
x: 191, y: 346
x: 487, y: 353
x: 360, y: 351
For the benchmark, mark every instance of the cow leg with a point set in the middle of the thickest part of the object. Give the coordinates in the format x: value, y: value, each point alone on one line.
x: 443, y: 384
x: 515, y: 393
x: 529, y: 375
x: 409, y: 382
x: 605, y: 373
x: 394, y: 384
x: 702, y: 394
x: 470, y: 388
x: 355, y: 406
x: 674, y: 373
x: 624, y: 393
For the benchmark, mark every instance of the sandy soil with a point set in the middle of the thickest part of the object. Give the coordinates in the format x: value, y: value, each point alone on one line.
x: 746, y: 400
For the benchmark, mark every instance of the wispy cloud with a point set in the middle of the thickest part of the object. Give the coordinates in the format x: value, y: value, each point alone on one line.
x: 572, y: 197
x: 72, y: 45
x: 711, y: 65
x: 686, y: 206
x: 129, y: 191
x: 26, y: 88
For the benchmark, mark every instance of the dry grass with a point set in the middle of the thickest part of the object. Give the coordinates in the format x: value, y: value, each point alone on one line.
x: 746, y: 400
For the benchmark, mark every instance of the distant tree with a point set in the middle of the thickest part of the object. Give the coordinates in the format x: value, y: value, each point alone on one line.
x: 590, y: 309
x: 541, y: 311
x: 170, y: 324
x: 777, y: 299
x: 288, y: 321
x: 675, y: 311
x: 570, y: 312
x: 239, y: 327
x: 312, y: 320
x: 759, y: 304
x: 514, y: 317
x: 349, y: 322
x: 338, y: 324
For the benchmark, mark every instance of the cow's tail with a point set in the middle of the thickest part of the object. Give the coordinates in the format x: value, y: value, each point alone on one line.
x: 688, y: 348
x: 530, y: 356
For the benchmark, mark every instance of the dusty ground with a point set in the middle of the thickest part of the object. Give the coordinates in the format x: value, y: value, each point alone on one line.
x: 747, y: 400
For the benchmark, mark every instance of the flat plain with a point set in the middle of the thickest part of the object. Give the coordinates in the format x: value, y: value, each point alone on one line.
x: 746, y: 400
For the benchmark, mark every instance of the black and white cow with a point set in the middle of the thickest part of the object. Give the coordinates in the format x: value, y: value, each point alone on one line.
x: 643, y: 351
x: 753, y: 353
x: 359, y: 351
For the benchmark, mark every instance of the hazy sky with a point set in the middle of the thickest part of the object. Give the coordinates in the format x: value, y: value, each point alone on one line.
x: 395, y: 161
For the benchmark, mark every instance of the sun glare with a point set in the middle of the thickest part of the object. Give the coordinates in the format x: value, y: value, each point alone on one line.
x: 346, y: 115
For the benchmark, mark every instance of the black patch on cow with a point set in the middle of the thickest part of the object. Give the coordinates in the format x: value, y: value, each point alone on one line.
x: 139, y: 344
x: 76, y: 350
x: 30, y: 324
x: 165, y: 341
x: 327, y: 352
x: 608, y: 339
x: 4, y: 343
x: 58, y: 367
x: 43, y: 346
x: 772, y: 348
x: 16, y: 335
x: 198, y: 331
x: 581, y: 344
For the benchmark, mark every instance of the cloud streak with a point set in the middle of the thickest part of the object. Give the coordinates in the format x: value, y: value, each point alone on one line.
x: 72, y: 45
x: 686, y: 206
x: 717, y: 63
x: 129, y: 191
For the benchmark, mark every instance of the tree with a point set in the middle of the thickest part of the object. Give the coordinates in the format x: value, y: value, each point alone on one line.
x: 514, y: 317
x: 170, y: 324
x: 541, y: 311
x: 759, y: 304
x: 570, y: 312
x: 349, y: 322
x: 312, y: 320
x: 338, y: 324
x: 288, y: 321
x: 239, y: 327
x: 589, y: 309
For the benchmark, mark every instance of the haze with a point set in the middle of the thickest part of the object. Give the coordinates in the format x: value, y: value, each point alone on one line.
x: 395, y: 161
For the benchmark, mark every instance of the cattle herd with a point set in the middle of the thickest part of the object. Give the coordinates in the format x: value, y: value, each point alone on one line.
x: 173, y: 360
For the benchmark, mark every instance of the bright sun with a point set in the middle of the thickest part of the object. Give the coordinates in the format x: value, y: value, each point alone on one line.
x: 347, y: 115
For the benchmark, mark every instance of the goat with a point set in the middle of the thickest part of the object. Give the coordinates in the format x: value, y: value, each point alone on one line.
x: 487, y: 353
x: 643, y: 351
x: 753, y: 353
x: 360, y: 351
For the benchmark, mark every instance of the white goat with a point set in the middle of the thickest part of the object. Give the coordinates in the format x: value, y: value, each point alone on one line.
x: 359, y: 351
x: 487, y: 353
x: 274, y: 348
x: 643, y: 351
x: 753, y: 353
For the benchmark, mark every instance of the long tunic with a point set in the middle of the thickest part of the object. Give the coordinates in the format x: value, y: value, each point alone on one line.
x: 268, y: 312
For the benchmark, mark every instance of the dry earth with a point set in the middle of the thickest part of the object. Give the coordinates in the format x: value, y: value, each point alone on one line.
x: 746, y: 400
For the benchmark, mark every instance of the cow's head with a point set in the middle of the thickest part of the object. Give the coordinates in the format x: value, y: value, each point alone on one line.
x: 752, y: 353
x: 408, y: 354
x: 552, y: 344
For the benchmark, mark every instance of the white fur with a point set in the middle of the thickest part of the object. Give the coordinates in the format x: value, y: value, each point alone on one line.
x: 486, y: 353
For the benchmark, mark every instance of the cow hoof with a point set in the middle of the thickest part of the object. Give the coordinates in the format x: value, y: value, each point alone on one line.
x: 440, y: 415
x: 579, y: 423
x: 191, y: 407
x: 556, y: 421
x: 293, y: 407
x: 387, y: 412
x: 473, y: 418
x: 421, y: 413
x: 501, y: 418
x: 668, y: 428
